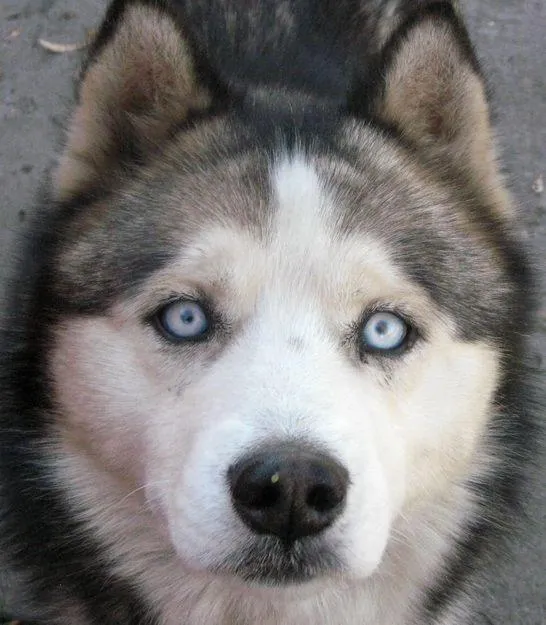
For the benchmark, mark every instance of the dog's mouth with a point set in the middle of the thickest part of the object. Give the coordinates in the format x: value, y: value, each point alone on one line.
x: 269, y: 561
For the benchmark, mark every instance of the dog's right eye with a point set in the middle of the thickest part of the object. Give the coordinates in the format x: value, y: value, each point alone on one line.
x: 183, y: 320
x: 385, y: 332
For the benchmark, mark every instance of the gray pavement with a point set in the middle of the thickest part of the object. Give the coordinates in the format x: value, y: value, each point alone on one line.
x: 36, y: 91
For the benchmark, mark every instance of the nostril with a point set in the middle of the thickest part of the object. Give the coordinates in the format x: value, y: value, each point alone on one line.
x: 256, y: 486
x: 323, y: 498
x: 265, y: 497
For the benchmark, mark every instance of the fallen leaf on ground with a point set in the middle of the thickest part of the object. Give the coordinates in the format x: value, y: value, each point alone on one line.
x: 538, y: 185
x: 60, y: 48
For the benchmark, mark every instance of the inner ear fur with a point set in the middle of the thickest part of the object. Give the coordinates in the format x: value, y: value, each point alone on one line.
x: 138, y: 85
x: 434, y: 94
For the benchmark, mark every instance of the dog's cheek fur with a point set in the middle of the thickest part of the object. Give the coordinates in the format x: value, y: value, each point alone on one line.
x: 102, y: 394
x: 442, y: 404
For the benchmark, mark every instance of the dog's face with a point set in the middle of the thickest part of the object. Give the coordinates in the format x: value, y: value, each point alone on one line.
x: 282, y: 349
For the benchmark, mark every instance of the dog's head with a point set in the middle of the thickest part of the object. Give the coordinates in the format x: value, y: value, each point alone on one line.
x: 283, y: 316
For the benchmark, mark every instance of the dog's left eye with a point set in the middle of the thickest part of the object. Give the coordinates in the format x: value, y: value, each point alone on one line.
x: 384, y: 332
x: 183, y: 320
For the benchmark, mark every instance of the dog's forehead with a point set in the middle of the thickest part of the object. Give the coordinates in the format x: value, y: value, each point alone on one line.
x: 301, y: 253
x: 315, y: 213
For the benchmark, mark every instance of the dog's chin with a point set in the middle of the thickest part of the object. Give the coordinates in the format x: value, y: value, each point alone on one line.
x: 268, y: 562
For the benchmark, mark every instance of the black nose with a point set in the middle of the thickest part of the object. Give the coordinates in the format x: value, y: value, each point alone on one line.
x: 290, y: 491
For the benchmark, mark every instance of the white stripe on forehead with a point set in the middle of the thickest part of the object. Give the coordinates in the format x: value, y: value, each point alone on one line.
x: 306, y: 239
x: 302, y: 205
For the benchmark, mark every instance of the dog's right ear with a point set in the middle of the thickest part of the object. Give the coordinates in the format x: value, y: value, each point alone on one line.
x: 140, y: 82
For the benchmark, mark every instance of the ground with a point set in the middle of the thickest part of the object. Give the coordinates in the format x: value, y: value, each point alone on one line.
x: 36, y: 91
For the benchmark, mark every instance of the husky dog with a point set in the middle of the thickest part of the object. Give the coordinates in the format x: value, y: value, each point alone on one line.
x: 263, y: 363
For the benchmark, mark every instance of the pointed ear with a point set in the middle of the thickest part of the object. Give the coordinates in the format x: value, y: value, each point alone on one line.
x: 140, y: 82
x: 434, y: 94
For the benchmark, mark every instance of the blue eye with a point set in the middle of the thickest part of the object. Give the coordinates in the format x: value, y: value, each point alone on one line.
x: 384, y: 332
x: 183, y: 320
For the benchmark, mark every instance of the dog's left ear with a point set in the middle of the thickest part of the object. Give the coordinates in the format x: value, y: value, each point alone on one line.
x: 434, y: 94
